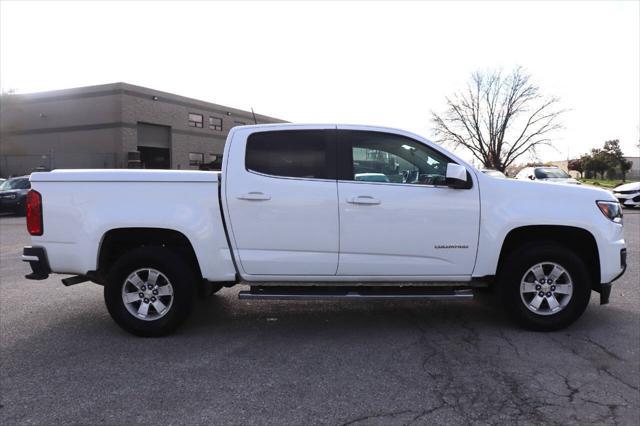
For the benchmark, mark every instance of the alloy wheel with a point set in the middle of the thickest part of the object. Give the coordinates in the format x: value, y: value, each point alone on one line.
x: 147, y: 294
x: 546, y: 288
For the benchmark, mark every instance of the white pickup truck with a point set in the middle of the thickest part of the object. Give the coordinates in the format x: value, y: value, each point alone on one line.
x: 324, y: 212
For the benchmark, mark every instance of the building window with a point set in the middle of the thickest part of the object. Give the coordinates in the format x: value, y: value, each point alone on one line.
x: 195, y: 120
x: 214, y: 162
x: 215, y: 123
x: 196, y: 158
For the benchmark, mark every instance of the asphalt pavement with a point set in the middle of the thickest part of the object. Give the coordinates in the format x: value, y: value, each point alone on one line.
x: 63, y: 360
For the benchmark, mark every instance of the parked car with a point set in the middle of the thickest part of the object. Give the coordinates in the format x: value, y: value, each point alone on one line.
x: 628, y: 194
x: 287, y: 217
x: 13, y: 194
x: 493, y: 173
x: 41, y: 169
x: 547, y: 174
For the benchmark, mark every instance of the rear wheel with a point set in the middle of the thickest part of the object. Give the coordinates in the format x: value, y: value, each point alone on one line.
x: 150, y: 291
x: 545, y: 286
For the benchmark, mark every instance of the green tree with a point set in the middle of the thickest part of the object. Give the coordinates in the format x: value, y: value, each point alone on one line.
x: 598, y: 161
x: 577, y: 165
x: 616, y: 157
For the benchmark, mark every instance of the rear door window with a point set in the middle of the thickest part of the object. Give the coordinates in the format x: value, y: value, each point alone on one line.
x: 308, y: 154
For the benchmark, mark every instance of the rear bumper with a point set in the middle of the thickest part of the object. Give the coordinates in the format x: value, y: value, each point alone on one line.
x: 10, y: 205
x: 37, y: 259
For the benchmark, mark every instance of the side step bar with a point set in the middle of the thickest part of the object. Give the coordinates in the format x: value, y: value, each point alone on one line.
x: 75, y: 280
x: 354, y: 293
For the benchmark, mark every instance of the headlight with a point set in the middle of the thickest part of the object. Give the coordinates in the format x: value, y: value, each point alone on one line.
x: 611, y: 209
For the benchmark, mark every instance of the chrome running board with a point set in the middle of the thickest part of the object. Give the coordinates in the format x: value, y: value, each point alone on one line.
x: 354, y: 293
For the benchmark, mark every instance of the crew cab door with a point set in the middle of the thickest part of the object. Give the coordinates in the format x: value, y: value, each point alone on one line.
x: 397, y: 216
x: 280, y: 192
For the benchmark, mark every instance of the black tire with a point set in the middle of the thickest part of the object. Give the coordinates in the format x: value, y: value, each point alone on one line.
x: 518, y: 263
x: 178, y: 272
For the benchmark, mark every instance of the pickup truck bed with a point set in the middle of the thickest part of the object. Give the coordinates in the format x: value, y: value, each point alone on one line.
x: 86, y: 206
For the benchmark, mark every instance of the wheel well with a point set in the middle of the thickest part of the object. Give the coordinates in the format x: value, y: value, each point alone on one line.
x: 116, y: 242
x: 577, y: 239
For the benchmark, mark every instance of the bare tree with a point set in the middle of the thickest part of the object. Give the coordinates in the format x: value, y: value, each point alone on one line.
x: 498, y: 118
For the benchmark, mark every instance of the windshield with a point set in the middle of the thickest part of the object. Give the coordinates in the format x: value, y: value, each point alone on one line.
x: 13, y: 184
x: 551, y: 173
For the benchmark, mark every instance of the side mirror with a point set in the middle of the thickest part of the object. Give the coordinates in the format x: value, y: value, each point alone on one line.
x: 532, y: 177
x: 457, y: 176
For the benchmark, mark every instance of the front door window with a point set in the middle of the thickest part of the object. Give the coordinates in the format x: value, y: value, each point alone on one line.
x: 386, y: 158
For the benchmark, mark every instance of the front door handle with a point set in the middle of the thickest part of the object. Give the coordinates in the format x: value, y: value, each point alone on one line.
x: 254, y: 196
x: 363, y: 199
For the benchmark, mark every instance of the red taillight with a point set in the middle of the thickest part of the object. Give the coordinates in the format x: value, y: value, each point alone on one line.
x: 34, y: 212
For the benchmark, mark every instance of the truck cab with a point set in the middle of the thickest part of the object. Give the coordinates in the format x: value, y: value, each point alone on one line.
x: 360, y: 230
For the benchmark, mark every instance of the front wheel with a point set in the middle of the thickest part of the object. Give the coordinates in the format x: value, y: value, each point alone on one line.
x: 150, y: 291
x: 545, y: 286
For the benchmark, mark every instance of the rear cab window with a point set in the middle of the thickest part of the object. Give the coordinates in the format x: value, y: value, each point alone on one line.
x: 304, y: 154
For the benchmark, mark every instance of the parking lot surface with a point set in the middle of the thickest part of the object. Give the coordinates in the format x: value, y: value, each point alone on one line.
x: 63, y: 360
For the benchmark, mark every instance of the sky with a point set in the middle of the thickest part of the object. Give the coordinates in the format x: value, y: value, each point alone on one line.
x: 381, y: 63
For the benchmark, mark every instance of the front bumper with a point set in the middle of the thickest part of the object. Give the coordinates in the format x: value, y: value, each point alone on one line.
x: 628, y: 200
x: 37, y: 258
x: 605, y: 288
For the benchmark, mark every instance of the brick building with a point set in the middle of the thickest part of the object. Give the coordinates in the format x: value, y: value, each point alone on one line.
x: 113, y: 126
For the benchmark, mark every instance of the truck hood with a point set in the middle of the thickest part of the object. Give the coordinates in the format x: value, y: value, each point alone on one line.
x: 540, y: 191
x: 125, y: 175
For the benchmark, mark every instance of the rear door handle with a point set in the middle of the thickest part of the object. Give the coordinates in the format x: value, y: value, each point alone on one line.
x: 254, y: 196
x: 363, y: 199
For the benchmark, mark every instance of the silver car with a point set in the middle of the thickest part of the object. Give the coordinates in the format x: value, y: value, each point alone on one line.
x: 494, y: 173
x: 628, y: 194
x: 546, y: 174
